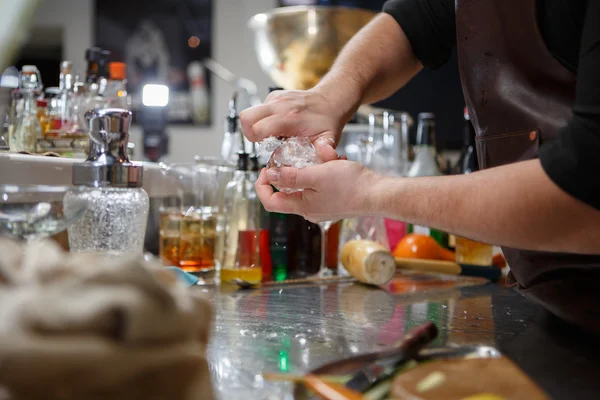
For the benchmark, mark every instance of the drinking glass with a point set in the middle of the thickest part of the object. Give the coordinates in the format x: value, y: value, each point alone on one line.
x: 324, y: 226
x: 191, y: 222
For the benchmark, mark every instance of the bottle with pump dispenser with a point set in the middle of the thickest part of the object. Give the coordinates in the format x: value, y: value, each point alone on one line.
x: 115, y: 220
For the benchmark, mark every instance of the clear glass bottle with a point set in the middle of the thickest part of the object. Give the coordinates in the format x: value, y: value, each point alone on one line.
x: 241, y: 258
x: 115, y: 220
x: 65, y: 121
x: 28, y: 128
x: 425, y: 164
x: 234, y: 142
x: 95, y: 82
x: 116, y: 87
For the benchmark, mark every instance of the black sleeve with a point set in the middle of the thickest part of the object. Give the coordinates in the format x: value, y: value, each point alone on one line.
x: 572, y: 161
x: 430, y: 26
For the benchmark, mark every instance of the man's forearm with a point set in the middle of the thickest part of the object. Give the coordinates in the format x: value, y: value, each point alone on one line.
x: 515, y: 205
x: 372, y: 66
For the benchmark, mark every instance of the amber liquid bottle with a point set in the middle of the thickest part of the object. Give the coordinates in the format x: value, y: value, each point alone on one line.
x: 469, y: 251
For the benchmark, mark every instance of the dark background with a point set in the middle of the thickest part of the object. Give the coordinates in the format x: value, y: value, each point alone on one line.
x: 430, y: 91
x: 178, y: 20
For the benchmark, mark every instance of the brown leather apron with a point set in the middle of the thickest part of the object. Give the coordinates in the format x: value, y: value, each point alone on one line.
x: 519, y: 96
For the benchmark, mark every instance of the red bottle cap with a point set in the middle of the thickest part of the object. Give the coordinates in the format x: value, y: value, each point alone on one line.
x: 117, y: 70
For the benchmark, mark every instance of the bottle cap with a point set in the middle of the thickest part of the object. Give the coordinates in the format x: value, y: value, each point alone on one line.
x: 426, y: 130
x: 426, y: 115
x: 96, y: 54
x: 117, y: 70
x: 466, y: 114
x: 243, y: 161
x: 254, y: 164
x: 29, y: 69
x: 66, y: 67
x: 41, y: 103
x: 109, y: 165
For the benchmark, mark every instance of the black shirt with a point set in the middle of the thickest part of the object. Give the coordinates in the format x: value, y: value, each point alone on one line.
x: 571, y: 31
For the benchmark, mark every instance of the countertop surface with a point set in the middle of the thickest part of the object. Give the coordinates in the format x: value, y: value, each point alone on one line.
x: 294, y: 329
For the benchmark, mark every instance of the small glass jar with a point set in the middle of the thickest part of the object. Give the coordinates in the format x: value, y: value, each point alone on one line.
x: 114, y: 222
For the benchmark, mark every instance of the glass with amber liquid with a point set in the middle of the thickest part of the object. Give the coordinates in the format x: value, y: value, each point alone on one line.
x: 191, y: 223
x: 188, y: 240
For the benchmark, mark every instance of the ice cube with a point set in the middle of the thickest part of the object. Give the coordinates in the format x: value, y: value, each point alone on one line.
x: 296, y: 152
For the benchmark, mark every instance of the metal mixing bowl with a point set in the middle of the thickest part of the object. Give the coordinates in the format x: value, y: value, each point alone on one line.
x: 296, y: 46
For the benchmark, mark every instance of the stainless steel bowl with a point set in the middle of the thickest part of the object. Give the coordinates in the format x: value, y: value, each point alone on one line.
x: 296, y: 46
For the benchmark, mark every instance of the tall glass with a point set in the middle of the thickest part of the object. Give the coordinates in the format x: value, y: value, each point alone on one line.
x: 324, y: 270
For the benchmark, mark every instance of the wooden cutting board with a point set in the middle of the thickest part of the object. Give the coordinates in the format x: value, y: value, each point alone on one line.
x: 462, y: 379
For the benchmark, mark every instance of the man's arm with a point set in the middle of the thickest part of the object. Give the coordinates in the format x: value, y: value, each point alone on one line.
x: 515, y: 205
x: 375, y: 63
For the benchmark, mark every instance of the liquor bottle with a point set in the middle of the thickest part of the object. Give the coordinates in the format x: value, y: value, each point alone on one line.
x: 116, y: 87
x: 198, y: 93
x: 425, y: 164
x: 469, y: 251
x: 469, y: 162
x: 233, y: 141
x: 241, y: 257
x: 95, y: 82
x: 28, y: 128
x: 91, y: 97
x: 264, y: 231
x: 65, y: 121
x: 279, y: 236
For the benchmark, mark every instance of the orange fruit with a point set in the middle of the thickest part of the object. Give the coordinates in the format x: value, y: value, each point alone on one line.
x: 422, y: 246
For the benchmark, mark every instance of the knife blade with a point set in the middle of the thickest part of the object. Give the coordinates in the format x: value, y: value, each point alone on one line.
x: 391, y: 359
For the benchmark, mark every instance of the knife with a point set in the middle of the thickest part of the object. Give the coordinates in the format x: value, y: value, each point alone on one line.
x: 389, y: 361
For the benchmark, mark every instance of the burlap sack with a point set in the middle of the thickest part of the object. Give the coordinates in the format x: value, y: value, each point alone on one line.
x: 84, y: 327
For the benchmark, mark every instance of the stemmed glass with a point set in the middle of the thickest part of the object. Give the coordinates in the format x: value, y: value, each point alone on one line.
x: 324, y: 227
x: 30, y: 212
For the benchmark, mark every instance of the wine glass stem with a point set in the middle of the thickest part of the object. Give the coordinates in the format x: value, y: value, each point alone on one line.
x: 323, y: 248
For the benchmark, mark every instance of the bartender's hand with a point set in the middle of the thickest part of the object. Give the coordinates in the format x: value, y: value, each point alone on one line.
x: 332, y: 191
x: 306, y: 113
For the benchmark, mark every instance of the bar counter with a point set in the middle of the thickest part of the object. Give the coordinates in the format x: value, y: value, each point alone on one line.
x: 293, y: 329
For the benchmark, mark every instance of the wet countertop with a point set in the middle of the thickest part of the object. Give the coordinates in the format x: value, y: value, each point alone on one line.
x: 294, y: 329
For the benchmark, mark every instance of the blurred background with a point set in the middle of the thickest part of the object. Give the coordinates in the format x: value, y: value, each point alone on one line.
x: 191, y: 30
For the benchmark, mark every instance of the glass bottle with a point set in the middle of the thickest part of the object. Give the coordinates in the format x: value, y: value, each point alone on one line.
x: 43, y: 115
x: 116, y: 87
x: 234, y: 141
x: 470, y: 251
x: 241, y: 257
x: 425, y: 164
x: 28, y: 128
x: 95, y: 82
x: 65, y: 121
x: 114, y: 222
